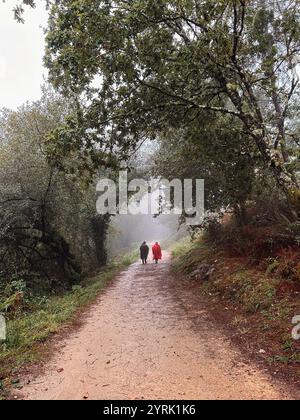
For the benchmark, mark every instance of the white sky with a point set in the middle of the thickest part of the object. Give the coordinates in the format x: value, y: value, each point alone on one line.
x: 21, y: 55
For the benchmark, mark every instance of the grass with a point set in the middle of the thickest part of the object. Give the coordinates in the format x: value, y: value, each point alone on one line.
x: 27, y: 331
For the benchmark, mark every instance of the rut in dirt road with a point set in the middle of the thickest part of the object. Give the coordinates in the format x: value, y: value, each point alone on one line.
x: 144, y: 339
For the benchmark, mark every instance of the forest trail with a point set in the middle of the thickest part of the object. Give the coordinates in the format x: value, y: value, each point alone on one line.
x: 145, y: 338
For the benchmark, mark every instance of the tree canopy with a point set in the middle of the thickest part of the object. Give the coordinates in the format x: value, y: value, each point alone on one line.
x: 138, y: 68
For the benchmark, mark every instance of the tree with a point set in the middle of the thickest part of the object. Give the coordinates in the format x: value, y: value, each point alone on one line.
x: 137, y: 68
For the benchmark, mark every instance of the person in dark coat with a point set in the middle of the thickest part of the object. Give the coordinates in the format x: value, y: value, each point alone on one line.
x: 144, y: 252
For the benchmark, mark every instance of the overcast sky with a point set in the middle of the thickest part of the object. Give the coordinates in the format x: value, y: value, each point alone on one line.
x: 21, y: 55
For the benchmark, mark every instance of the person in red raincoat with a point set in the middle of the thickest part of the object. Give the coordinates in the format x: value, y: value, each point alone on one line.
x: 156, y: 251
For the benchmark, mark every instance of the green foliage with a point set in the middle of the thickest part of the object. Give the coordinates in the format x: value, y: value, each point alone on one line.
x: 181, y: 247
x: 19, y: 8
x: 46, y: 316
x: 202, y: 152
x: 260, y: 297
x: 256, y: 305
x: 272, y: 266
x: 138, y: 69
x: 49, y: 229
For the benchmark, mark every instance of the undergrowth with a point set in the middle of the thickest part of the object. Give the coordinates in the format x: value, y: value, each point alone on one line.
x: 256, y: 279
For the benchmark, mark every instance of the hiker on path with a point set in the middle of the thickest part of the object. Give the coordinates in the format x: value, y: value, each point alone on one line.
x: 156, y: 251
x: 144, y: 249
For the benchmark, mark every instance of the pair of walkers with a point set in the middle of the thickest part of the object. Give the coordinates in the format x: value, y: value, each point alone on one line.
x: 156, y: 251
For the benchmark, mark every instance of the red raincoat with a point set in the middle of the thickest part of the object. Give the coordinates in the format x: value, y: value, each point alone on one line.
x: 156, y: 250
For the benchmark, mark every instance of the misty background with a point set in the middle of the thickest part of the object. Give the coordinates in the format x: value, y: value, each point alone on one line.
x: 127, y: 232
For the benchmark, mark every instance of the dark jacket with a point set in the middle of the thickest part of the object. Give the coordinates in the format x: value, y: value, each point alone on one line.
x: 144, y: 251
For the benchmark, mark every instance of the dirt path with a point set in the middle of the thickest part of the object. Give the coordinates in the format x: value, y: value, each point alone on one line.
x: 146, y: 339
